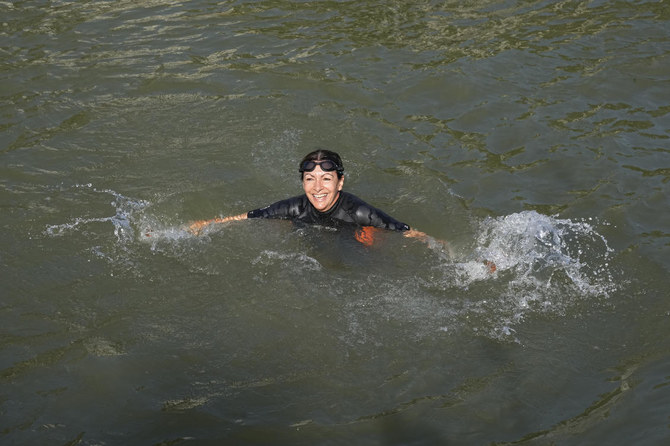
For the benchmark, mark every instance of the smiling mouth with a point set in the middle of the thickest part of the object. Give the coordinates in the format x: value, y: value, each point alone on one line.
x: 319, y: 196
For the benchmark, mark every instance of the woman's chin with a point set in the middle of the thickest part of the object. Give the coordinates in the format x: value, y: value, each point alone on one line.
x: 321, y: 206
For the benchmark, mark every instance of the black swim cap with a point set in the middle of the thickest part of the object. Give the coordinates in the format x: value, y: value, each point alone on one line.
x: 321, y: 155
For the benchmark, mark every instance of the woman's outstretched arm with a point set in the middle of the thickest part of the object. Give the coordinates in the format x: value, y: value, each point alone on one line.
x: 413, y: 233
x: 197, y: 226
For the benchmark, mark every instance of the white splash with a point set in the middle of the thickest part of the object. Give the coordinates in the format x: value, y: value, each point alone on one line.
x: 126, y: 209
x: 543, y: 265
x: 539, y: 247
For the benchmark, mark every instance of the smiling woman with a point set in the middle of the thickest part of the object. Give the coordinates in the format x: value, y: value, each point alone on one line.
x: 324, y: 202
x: 321, y: 185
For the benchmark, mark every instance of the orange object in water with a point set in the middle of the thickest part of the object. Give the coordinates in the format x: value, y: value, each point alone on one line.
x: 366, y: 235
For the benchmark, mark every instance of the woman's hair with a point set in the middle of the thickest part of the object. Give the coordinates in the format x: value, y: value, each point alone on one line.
x: 323, y: 154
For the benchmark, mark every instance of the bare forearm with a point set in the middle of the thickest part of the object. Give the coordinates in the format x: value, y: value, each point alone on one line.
x: 197, y: 226
x: 432, y: 242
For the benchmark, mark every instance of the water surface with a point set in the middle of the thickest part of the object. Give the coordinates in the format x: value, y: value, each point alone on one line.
x: 533, y: 134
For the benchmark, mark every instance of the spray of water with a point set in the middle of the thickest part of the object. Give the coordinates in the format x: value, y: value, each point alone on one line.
x: 544, y: 265
x: 543, y: 250
x: 126, y: 212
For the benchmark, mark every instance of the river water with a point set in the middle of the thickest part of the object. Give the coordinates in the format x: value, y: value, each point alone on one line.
x: 534, y: 134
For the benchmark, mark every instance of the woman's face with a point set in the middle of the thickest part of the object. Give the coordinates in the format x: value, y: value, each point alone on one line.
x: 322, y: 188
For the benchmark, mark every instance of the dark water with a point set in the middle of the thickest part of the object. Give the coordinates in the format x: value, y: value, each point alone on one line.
x: 534, y: 134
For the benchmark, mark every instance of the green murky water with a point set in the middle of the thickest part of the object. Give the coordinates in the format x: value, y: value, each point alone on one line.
x: 532, y: 133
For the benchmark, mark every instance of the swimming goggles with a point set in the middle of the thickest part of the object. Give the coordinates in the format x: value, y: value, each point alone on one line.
x: 326, y: 166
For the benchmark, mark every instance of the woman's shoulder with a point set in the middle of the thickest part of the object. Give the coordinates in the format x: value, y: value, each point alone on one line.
x: 288, y: 207
x: 355, y: 205
x: 351, y: 199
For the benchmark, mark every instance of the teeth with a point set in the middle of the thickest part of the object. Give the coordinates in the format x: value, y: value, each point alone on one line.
x: 320, y: 196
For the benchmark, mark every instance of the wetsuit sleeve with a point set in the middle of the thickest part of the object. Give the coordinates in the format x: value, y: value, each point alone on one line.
x: 366, y: 215
x: 289, y: 208
x: 370, y: 216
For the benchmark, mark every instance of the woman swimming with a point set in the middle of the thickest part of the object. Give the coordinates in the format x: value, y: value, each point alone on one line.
x: 324, y: 202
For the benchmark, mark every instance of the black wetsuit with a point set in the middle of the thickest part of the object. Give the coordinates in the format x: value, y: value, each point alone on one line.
x: 347, y: 209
